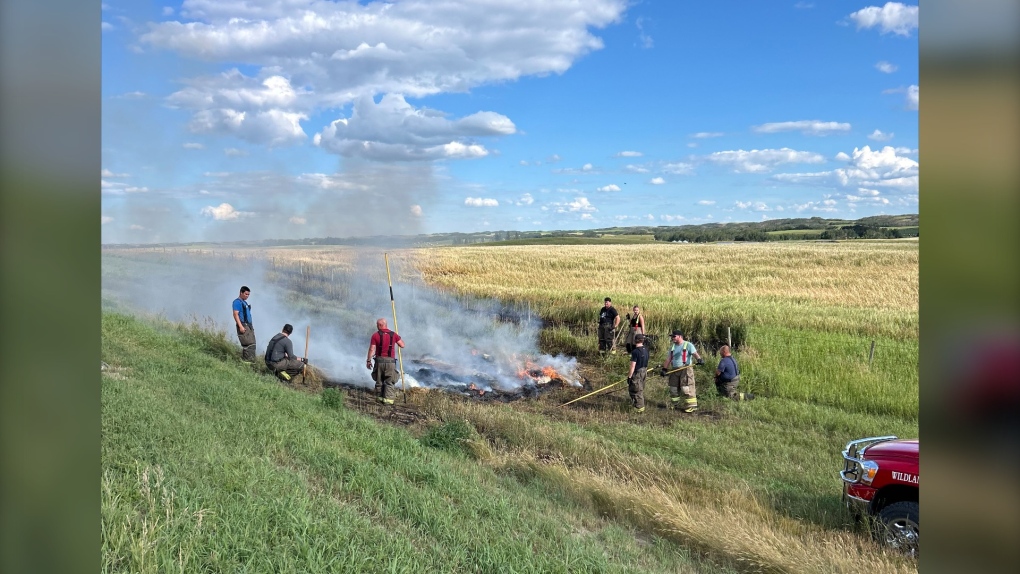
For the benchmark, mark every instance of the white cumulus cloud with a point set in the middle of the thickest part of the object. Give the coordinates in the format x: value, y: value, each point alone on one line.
x: 884, y: 168
x: 629, y: 154
x: 318, y: 55
x: 678, y: 168
x: 580, y: 204
x: 706, y: 202
x: 480, y: 202
x: 828, y: 206
x: 267, y: 112
x: 880, y: 136
x: 886, y: 67
x: 657, y: 181
x: 705, y: 135
x: 893, y: 17
x: 296, y: 220
x: 105, y: 219
x: 526, y: 199
x: 807, y: 127
x: 913, y: 97
x: 752, y: 205
x: 395, y: 130
x: 610, y: 187
x: 416, y: 210
x: 760, y: 161
x: 193, y: 145
x: 224, y: 212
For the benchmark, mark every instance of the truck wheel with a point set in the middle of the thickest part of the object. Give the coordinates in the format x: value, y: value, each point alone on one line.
x: 897, y: 527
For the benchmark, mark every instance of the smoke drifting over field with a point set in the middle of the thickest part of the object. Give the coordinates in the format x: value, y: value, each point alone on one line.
x: 481, y: 341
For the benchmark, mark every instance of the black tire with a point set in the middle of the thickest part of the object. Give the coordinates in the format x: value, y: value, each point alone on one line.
x: 898, y: 527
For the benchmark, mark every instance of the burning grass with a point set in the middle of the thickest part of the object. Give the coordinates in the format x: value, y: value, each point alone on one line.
x: 720, y: 484
x: 208, y: 466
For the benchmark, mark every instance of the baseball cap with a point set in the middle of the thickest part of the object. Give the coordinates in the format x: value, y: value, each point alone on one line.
x: 639, y: 337
x: 677, y: 333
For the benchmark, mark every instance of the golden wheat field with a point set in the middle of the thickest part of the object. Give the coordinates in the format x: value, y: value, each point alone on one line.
x: 869, y: 287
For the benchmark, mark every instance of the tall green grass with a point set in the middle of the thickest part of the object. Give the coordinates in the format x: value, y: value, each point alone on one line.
x: 210, y: 467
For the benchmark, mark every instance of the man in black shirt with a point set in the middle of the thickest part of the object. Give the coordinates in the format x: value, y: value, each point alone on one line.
x: 280, y: 355
x: 638, y: 370
x: 608, y: 320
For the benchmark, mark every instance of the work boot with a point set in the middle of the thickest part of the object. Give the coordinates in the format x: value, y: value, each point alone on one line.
x: 639, y: 410
x: 385, y: 401
x: 285, y: 375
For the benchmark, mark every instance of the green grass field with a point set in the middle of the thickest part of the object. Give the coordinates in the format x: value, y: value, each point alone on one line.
x: 209, y: 466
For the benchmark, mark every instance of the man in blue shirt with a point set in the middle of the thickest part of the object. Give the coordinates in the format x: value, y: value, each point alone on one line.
x: 680, y: 360
x: 727, y: 377
x: 243, y: 323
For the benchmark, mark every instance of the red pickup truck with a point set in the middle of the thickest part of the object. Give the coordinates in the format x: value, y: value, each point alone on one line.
x: 880, y: 477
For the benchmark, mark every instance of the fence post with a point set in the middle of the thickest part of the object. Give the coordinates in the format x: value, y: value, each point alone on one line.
x: 871, y: 355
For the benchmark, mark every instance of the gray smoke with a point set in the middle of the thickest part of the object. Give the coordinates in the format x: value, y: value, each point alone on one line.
x: 461, y: 340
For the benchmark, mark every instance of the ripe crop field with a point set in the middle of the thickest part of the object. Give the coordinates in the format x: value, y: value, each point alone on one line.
x: 740, y: 487
x: 809, y: 311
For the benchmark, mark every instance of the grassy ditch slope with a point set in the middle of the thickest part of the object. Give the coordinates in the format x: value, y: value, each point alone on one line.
x: 209, y: 467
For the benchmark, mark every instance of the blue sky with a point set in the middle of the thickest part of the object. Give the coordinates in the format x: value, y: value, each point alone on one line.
x: 253, y: 119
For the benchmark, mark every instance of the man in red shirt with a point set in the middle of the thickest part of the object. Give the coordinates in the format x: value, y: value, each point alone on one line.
x: 382, y: 348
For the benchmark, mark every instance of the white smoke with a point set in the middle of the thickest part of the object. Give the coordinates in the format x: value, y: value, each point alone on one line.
x: 450, y: 342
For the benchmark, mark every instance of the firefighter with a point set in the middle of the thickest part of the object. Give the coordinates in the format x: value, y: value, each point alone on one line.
x: 638, y: 370
x: 679, y: 360
x: 727, y: 377
x: 243, y: 324
x: 382, y: 348
x: 280, y: 355
x: 609, y: 319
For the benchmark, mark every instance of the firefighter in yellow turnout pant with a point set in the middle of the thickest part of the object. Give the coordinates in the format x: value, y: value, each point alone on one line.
x: 682, y: 391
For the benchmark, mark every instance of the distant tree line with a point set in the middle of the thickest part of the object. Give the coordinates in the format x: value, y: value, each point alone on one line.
x: 712, y: 235
x: 798, y: 229
x: 860, y: 231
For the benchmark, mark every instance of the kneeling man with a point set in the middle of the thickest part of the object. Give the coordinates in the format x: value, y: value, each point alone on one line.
x: 280, y: 355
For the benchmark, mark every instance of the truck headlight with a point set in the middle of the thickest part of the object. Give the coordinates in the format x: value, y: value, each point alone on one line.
x: 869, y: 469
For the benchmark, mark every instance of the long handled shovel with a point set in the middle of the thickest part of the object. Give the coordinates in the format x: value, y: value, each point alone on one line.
x: 304, y: 369
x: 607, y: 387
